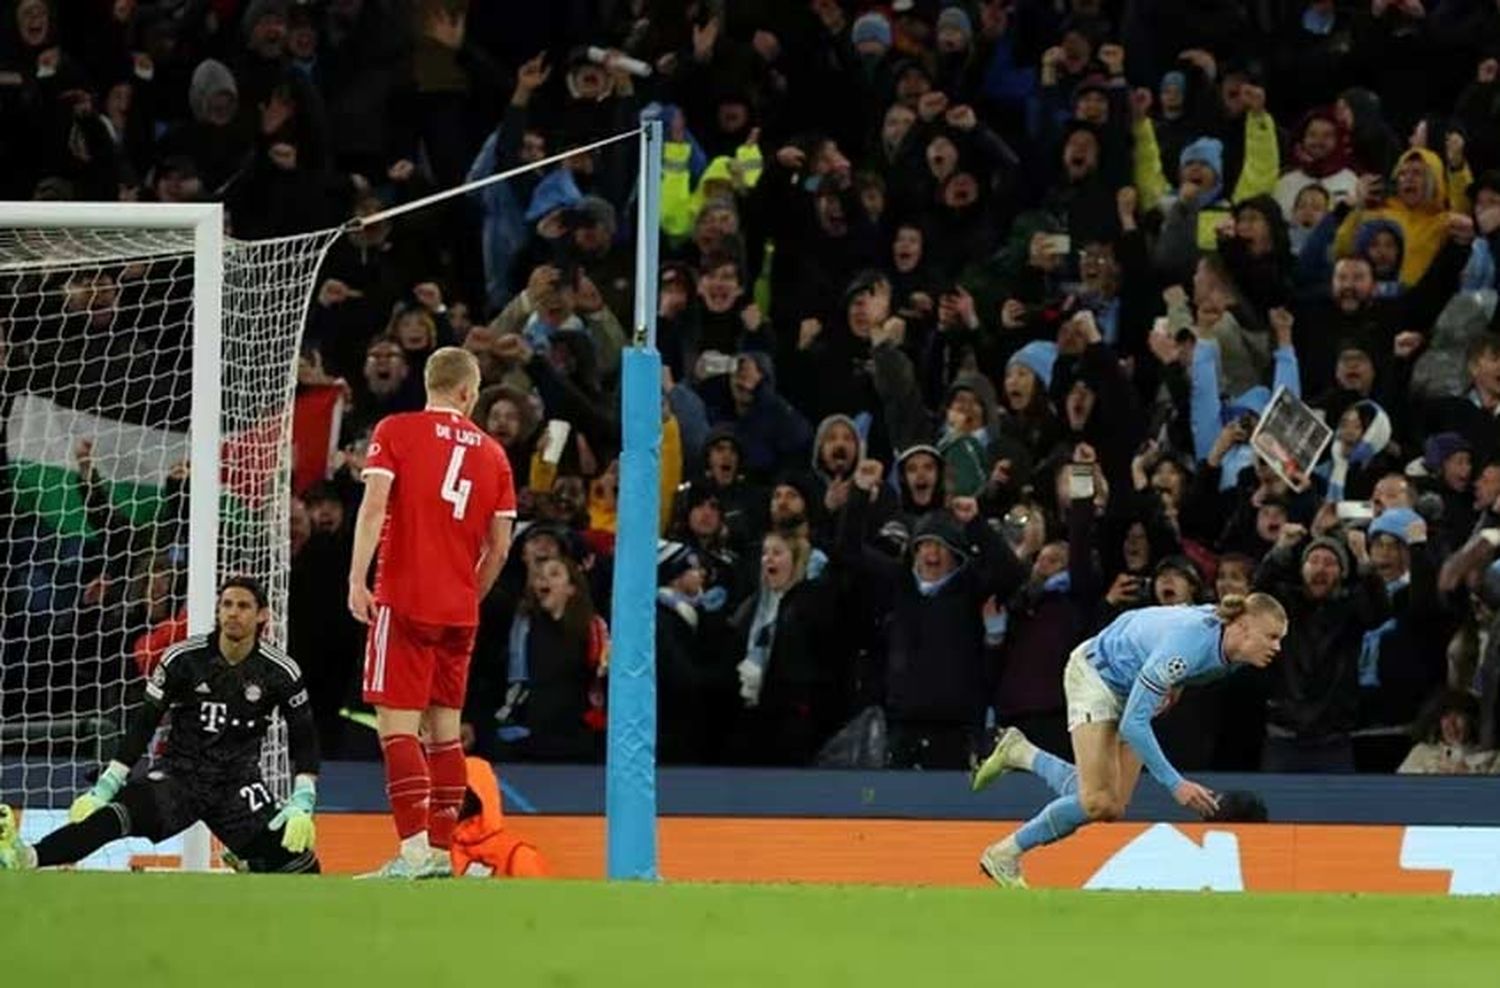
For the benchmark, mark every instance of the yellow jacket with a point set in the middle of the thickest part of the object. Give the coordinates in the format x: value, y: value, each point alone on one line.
x: 1423, y: 228
x: 681, y: 201
x: 1258, y: 174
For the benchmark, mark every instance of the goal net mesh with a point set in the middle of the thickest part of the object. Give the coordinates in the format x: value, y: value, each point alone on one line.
x: 96, y: 359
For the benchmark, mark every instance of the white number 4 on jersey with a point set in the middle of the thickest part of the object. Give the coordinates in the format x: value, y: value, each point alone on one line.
x: 456, y: 491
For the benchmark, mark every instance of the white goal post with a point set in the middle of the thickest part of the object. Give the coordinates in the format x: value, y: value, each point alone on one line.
x: 77, y: 279
x: 204, y: 222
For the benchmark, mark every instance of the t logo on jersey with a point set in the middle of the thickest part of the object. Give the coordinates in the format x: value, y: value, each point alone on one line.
x: 212, y: 715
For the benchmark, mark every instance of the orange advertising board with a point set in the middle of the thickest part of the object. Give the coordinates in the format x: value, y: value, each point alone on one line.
x: 1250, y: 857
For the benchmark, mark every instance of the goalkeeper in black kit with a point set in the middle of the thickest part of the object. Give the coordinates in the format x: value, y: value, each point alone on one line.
x: 221, y: 690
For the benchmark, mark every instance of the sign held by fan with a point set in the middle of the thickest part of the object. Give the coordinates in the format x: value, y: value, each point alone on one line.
x: 1290, y: 437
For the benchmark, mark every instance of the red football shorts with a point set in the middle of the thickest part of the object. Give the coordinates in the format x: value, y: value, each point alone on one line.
x: 410, y: 665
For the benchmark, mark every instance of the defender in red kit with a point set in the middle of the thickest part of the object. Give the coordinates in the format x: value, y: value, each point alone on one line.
x: 440, y: 503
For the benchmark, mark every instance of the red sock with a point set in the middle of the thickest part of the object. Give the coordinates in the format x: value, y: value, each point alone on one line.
x: 406, y: 783
x: 449, y: 777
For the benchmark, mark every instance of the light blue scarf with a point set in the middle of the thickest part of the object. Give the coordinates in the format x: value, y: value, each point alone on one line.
x: 518, y: 672
x: 1335, y: 469
x: 768, y: 605
x: 686, y: 607
x: 1479, y: 273
x: 1369, y: 647
x: 995, y: 627
x: 763, y: 626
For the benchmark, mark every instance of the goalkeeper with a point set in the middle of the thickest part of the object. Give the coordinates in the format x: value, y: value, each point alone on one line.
x: 221, y: 689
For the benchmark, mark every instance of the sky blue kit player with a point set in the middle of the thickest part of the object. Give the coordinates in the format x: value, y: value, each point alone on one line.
x: 1115, y: 683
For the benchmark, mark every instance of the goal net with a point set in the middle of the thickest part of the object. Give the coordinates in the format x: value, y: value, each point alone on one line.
x: 148, y: 369
x: 115, y: 338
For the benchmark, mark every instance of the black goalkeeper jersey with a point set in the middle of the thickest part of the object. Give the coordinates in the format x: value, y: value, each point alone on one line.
x: 222, y: 711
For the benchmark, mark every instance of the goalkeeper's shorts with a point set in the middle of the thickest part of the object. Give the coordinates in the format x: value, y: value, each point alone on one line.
x: 160, y: 805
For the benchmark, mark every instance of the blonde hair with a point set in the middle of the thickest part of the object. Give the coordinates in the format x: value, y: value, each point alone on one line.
x: 797, y: 545
x: 1234, y: 606
x: 450, y: 368
x: 416, y: 314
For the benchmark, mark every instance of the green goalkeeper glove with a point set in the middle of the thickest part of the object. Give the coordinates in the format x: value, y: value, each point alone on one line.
x: 296, y: 817
x: 111, y: 780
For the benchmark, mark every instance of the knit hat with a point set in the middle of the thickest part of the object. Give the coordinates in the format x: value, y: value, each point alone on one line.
x: 957, y: 19
x: 1396, y: 522
x: 557, y: 191
x: 893, y: 537
x: 938, y: 526
x: 1173, y: 78
x: 1208, y: 150
x: 672, y: 560
x: 864, y: 281
x: 1252, y: 401
x: 1438, y: 448
x: 1364, y: 237
x: 911, y: 451
x: 1333, y: 545
x: 1038, y: 356
x: 597, y: 211
x: 1181, y: 564
x: 871, y: 27
x: 808, y: 487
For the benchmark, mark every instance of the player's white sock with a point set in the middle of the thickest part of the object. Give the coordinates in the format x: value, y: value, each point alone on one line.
x: 415, y: 848
x: 28, y: 857
x: 1009, y: 846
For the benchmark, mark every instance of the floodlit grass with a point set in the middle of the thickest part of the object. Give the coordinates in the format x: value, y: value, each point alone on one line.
x: 211, y: 931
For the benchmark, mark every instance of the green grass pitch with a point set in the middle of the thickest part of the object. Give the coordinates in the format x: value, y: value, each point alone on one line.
x: 215, y: 932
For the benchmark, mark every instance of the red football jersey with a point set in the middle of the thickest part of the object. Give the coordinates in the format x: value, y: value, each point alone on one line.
x: 449, y: 480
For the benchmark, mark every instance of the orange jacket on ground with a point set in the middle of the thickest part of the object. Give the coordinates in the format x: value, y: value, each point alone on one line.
x: 485, y: 840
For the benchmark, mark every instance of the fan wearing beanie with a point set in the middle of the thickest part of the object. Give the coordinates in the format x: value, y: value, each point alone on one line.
x: 1314, y: 693
x: 696, y: 685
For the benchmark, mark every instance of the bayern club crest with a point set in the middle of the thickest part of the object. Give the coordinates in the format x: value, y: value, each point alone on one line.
x: 252, y: 692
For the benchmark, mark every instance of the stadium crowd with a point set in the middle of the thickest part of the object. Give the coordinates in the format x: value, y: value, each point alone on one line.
x: 968, y: 311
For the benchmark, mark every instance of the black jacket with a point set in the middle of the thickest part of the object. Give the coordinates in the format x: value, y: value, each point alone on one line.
x: 803, y: 697
x: 1314, y: 682
x: 934, y: 645
x: 1410, y: 661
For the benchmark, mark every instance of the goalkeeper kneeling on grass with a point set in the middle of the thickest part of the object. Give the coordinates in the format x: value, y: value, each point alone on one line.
x: 222, y: 689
